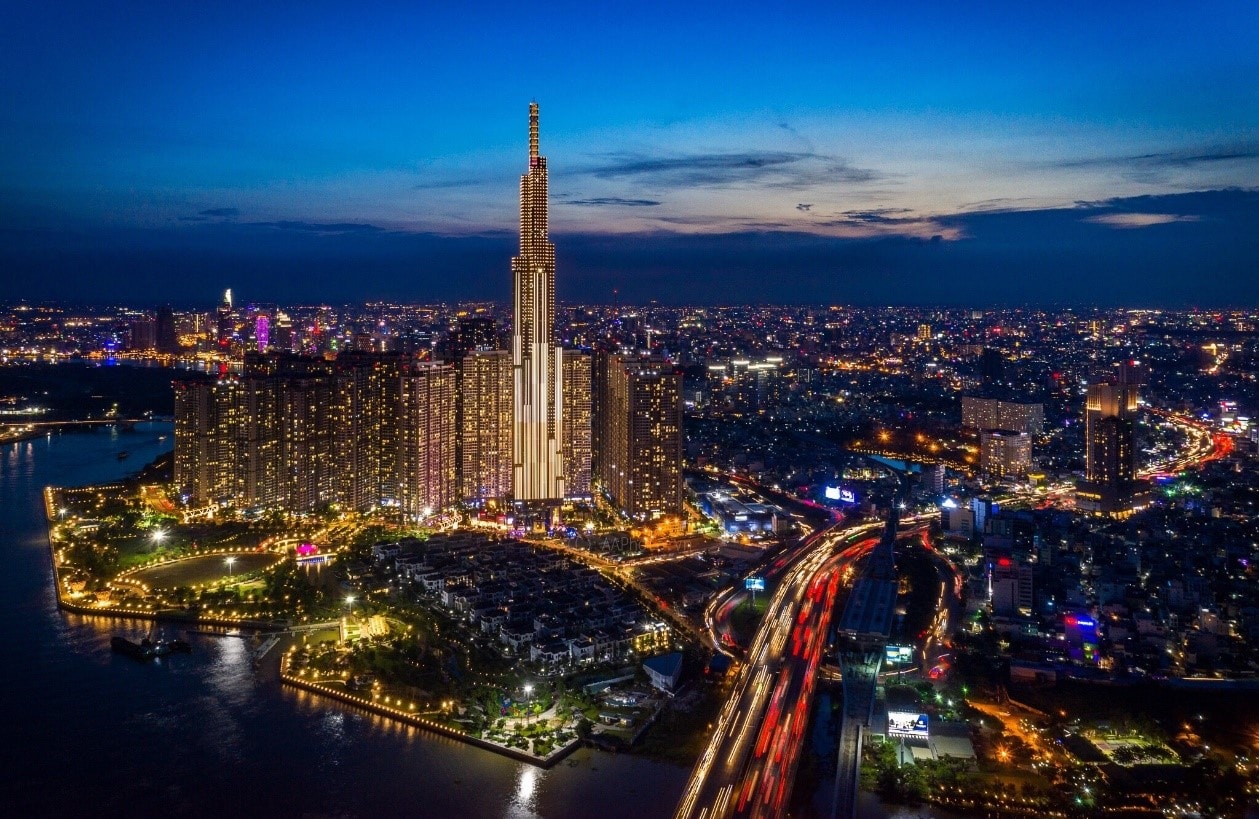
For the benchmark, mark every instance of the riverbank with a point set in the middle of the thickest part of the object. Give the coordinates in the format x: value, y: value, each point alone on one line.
x: 405, y: 716
x: 219, y: 734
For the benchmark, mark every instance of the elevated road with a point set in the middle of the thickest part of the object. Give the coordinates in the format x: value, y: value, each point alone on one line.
x: 749, y: 764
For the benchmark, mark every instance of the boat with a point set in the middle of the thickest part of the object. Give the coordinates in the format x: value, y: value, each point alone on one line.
x: 124, y: 455
x: 137, y: 651
x: 149, y: 647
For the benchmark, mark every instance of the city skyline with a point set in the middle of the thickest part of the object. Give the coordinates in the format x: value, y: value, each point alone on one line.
x: 1022, y: 157
x: 872, y: 422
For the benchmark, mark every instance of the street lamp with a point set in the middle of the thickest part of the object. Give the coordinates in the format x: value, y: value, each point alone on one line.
x: 528, y: 703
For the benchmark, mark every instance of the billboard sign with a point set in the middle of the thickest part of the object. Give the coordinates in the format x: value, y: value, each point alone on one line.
x: 907, y: 724
x: 754, y: 584
x: 839, y: 493
x: 899, y: 655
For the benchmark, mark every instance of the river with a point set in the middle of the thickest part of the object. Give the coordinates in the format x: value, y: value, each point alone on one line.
x: 88, y: 731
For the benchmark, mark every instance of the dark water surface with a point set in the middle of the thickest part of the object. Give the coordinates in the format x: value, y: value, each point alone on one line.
x: 86, y: 732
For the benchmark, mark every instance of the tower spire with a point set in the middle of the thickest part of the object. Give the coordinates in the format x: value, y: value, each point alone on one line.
x: 533, y: 134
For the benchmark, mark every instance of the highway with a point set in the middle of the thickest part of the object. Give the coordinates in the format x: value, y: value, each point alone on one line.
x: 749, y: 764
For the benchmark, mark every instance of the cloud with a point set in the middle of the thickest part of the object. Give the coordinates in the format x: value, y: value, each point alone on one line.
x: 616, y: 201
x: 775, y: 169
x: 320, y: 227
x: 1127, y: 221
x: 211, y: 213
x: 804, y: 207
x: 1156, y: 166
x: 880, y: 216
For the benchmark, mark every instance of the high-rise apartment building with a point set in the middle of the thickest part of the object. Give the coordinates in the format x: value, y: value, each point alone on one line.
x: 1005, y: 453
x: 427, y: 434
x: 995, y: 413
x: 206, y: 420
x: 368, y: 395
x: 537, y: 391
x: 485, y: 452
x: 301, y: 433
x: 641, y: 435
x: 577, y: 421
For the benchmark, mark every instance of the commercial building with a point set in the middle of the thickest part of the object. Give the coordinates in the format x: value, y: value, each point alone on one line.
x: 641, y: 436
x: 1110, y: 485
x: 538, y: 470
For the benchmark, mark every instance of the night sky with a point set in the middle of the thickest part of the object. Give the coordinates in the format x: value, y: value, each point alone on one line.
x: 1068, y: 153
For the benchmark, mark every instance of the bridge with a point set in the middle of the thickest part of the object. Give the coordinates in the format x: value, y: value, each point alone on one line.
x: 88, y: 422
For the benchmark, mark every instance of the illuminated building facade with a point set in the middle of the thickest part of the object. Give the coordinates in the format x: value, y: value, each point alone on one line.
x: 994, y: 413
x: 537, y: 368
x: 368, y: 392
x: 1005, y: 453
x: 301, y: 433
x: 641, y: 436
x: 1110, y: 485
x: 577, y: 423
x: 206, y: 420
x: 226, y: 322
x: 427, y: 439
x: 485, y: 452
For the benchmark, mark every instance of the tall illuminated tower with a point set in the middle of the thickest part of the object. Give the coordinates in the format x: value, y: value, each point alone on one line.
x: 537, y: 369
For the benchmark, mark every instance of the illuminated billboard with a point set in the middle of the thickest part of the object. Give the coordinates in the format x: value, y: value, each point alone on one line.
x: 837, y: 493
x: 907, y: 724
x: 754, y: 584
x: 899, y: 655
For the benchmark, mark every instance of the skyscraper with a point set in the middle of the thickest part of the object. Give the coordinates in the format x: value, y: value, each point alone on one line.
x: 485, y: 451
x: 167, y: 337
x: 427, y: 439
x: 641, y: 460
x: 577, y: 423
x: 226, y: 324
x: 1110, y: 485
x: 537, y: 369
x: 1109, y: 450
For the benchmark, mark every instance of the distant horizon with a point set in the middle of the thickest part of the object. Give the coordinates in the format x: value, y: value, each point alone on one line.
x: 12, y: 304
x: 920, y: 154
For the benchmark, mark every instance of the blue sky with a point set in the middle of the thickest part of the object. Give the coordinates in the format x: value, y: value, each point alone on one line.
x: 159, y: 129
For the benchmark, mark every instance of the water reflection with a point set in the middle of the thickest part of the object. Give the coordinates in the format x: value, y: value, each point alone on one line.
x: 523, y: 804
x: 206, y: 733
